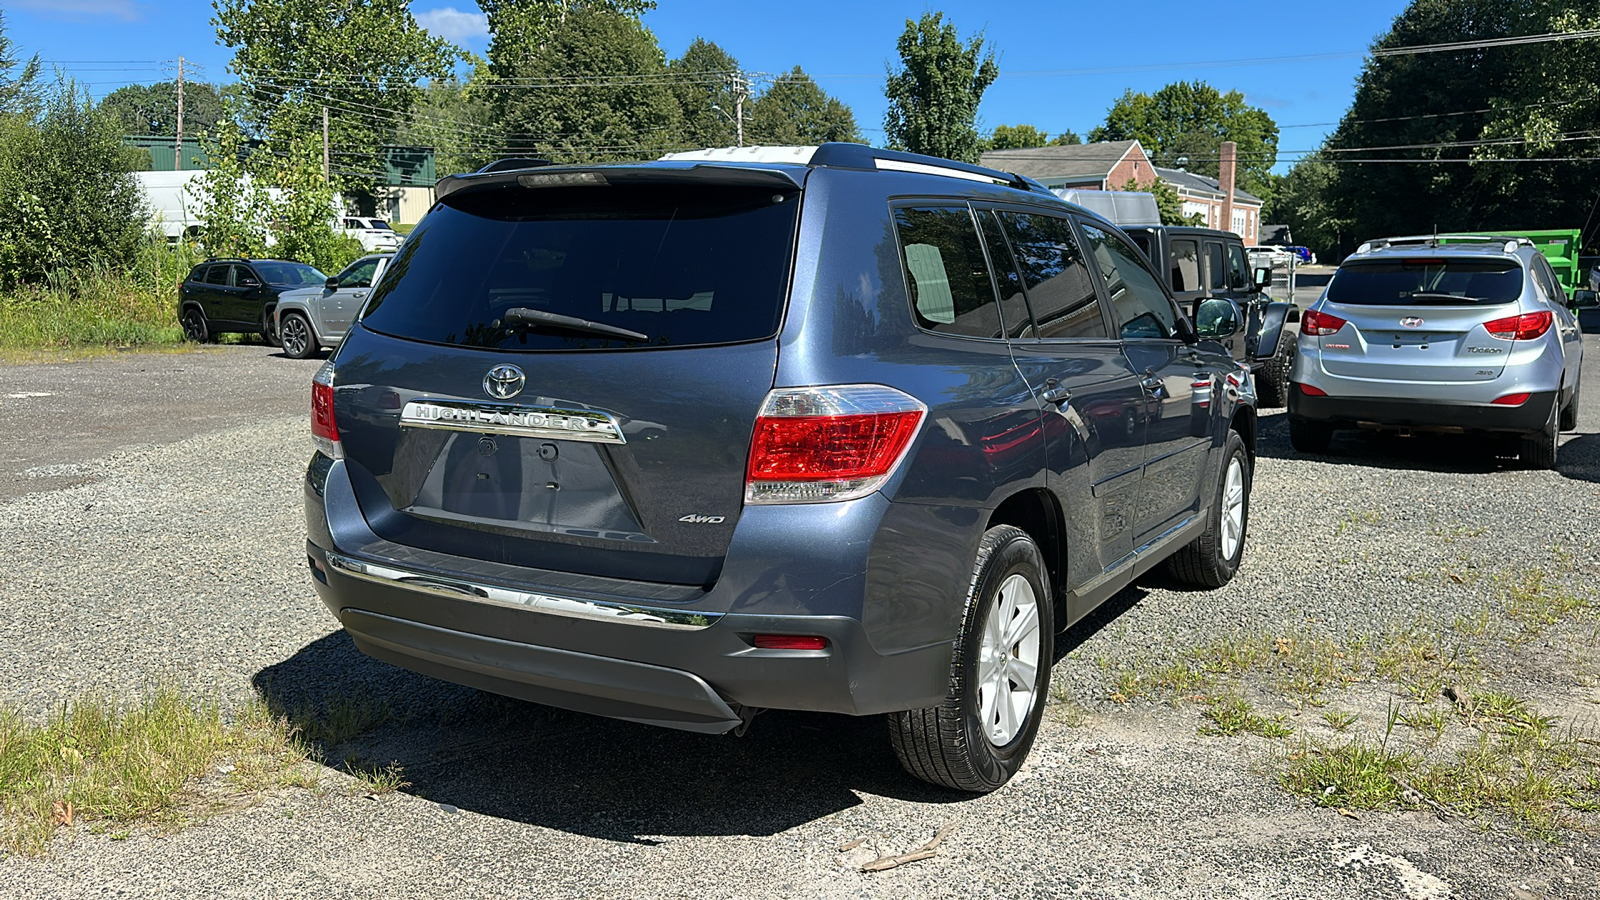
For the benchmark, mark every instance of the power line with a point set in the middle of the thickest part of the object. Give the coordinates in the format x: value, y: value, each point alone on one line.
x: 1487, y: 43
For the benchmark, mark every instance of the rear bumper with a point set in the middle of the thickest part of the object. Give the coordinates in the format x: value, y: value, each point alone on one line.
x: 685, y: 662
x: 1527, y: 418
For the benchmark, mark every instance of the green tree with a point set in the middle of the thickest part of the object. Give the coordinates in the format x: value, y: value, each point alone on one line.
x: 794, y: 111
x: 933, y: 98
x: 592, y: 90
x: 1068, y: 138
x: 230, y: 199
x: 19, y: 88
x: 302, y: 212
x: 455, y: 119
x: 1301, y: 200
x: 1016, y: 137
x: 1529, y: 162
x: 153, y: 108
x: 360, y: 61
x: 703, y: 81
x: 68, y: 199
x: 1190, y: 120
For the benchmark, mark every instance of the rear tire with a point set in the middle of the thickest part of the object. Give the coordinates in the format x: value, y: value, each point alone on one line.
x: 999, y: 677
x: 1210, y: 560
x: 1308, y: 436
x: 269, y: 330
x: 1539, y: 449
x: 195, y: 326
x: 1569, y: 413
x: 1272, y: 385
x: 297, y: 338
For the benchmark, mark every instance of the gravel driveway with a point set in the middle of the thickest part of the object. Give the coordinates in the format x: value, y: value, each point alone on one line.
x: 158, y: 538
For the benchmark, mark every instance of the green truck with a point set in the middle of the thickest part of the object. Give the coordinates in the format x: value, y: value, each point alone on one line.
x: 1559, y: 246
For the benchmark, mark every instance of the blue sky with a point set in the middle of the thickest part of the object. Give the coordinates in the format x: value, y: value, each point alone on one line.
x: 1062, y: 64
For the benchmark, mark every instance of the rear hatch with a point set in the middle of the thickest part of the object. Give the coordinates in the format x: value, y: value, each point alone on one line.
x: 1420, y: 318
x: 477, y: 421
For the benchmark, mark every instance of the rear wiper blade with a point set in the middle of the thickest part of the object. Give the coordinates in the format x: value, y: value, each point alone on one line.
x: 533, y: 318
x: 1447, y: 298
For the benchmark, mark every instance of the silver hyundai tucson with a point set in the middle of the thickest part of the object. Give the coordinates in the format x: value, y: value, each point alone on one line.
x: 1414, y: 335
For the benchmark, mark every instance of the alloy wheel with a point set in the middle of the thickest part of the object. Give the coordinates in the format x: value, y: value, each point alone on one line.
x: 1008, y: 661
x: 1233, y: 508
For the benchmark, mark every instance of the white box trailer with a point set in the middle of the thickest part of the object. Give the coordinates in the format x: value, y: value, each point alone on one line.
x: 171, y: 202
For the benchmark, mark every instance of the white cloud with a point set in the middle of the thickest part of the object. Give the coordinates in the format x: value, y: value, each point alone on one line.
x: 454, y: 25
x: 126, y: 10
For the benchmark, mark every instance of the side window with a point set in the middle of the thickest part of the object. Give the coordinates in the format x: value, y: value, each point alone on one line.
x: 1142, y: 310
x: 358, y: 275
x: 1185, y: 266
x: 1060, y: 289
x: 1238, y: 268
x: 218, y: 275
x: 1013, y: 304
x: 1545, y: 279
x: 243, y: 276
x: 1218, y: 268
x: 946, y: 272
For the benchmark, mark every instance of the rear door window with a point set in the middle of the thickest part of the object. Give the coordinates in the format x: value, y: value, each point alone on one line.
x: 676, y: 265
x: 946, y: 272
x: 1141, y: 308
x: 1426, y: 281
x: 1060, y: 289
x: 218, y: 275
x: 1185, y: 266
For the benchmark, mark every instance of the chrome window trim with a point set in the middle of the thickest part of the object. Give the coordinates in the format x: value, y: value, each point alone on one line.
x: 571, y: 607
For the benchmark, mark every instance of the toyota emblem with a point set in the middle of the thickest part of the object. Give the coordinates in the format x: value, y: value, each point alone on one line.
x: 1411, y: 322
x: 504, y: 382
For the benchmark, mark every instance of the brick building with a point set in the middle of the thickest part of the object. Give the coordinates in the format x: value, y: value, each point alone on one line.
x: 1203, y: 195
x: 1107, y: 166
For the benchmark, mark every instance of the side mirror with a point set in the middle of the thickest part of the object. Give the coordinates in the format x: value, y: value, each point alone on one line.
x: 1583, y: 299
x: 1263, y: 276
x: 332, y: 283
x: 1217, y: 319
x: 249, y: 283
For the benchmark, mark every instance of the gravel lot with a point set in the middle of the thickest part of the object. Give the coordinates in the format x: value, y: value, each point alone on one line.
x: 159, y: 538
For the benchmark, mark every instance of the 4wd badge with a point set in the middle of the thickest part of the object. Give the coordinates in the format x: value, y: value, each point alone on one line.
x: 693, y: 519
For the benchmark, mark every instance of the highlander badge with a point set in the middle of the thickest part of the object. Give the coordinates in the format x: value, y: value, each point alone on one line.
x: 504, y: 382
x: 545, y: 422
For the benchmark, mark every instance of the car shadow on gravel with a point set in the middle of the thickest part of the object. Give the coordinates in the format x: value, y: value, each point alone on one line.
x: 471, y: 750
x: 1578, y: 457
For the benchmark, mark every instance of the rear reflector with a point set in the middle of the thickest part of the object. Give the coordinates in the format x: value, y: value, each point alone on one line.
x: 790, y: 642
x: 1319, y: 323
x: 324, y: 428
x: 1513, y: 399
x: 815, y: 445
x: 1310, y: 391
x: 1525, y: 327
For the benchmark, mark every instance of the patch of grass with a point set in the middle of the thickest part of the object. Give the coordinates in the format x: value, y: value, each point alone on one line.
x: 95, y: 761
x: 375, y: 779
x: 1532, y: 601
x: 340, y: 719
x: 1232, y: 716
x: 1339, y: 720
x: 132, y: 306
x: 1431, y: 719
x: 1454, y: 531
x: 1356, y: 775
x: 1358, y: 519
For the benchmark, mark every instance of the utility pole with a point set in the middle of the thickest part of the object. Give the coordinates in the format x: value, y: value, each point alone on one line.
x: 327, y: 174
x: 177, y: 147
x: 741, y: 89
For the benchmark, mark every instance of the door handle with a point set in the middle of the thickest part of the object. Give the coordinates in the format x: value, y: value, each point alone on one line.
x: 1054, y: 392
x: 360, y: 295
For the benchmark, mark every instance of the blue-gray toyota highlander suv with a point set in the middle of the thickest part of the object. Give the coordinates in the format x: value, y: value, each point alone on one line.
x: 853, y: 431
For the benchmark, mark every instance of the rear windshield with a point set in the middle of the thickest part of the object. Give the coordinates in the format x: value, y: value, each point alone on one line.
x: 1426, y: 282
x: 676, y: 265
x: 289, y: 273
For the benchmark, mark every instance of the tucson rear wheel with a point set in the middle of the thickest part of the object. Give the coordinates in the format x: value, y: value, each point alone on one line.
x: 1538, y: 450
x: 1569, y: 413
x: 978, y: 738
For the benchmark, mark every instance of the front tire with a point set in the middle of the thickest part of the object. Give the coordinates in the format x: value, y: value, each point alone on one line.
x: 1210, y: 560
x: 298, y: 341
x: 999, y: 678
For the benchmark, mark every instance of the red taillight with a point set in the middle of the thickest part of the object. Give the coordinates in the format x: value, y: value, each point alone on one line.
x: 835, y: 443
x: 790, y: 642
x: 324, y: 427
x: 1319, y: 323
x: 1311, y: 391
x: 1525, y: 327
x: 1513, y: 399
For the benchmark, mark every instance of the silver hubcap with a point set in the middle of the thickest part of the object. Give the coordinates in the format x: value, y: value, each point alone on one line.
x: 1233, y: 509
x: 294, y: 336
x: 1008, y: 661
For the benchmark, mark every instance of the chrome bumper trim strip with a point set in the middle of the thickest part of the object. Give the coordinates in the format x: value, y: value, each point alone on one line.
x: 595, y: 610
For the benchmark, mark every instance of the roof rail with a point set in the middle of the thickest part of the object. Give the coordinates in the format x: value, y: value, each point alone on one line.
x: 514, y: 162
x: 1433, y: 240
x: 837, y: 155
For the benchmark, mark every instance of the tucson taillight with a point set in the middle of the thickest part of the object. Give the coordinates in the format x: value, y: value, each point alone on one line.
x: 1319, y: 323
x: 324, y: 428
x: 1525, y: 327
x: 819, y: 444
